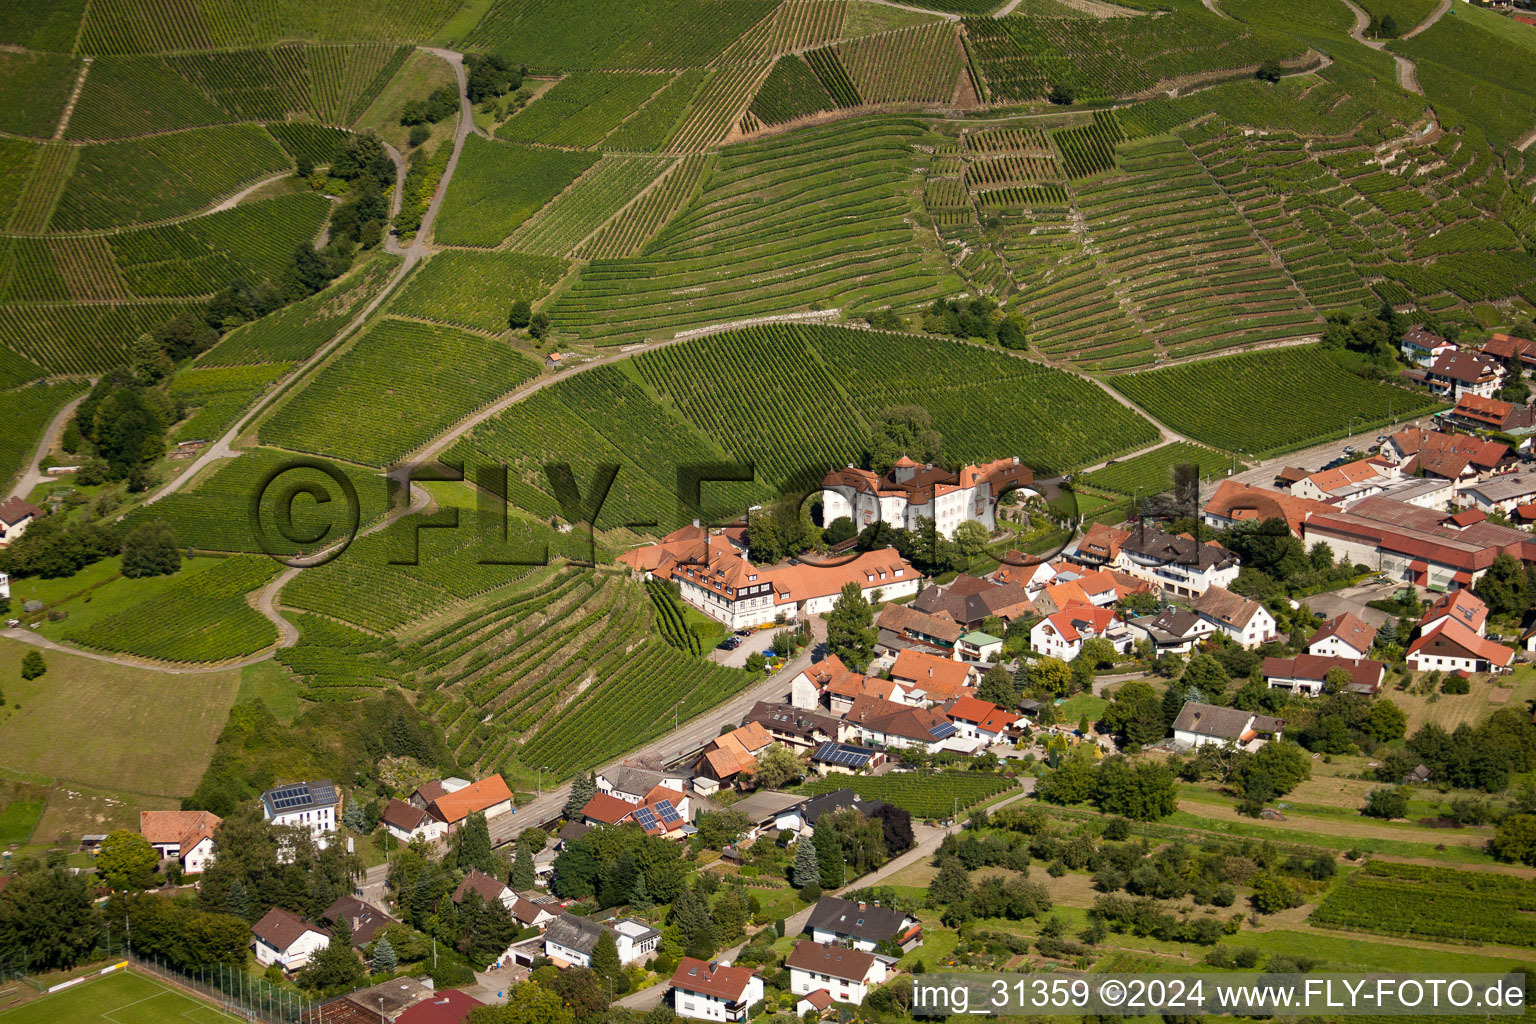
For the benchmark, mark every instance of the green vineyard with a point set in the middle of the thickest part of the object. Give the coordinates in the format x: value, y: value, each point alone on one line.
x: 1269, y: 402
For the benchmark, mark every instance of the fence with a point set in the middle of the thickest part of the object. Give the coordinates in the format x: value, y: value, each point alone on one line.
x: 252, y: 998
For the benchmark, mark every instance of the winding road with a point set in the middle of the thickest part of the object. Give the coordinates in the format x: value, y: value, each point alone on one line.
x: 1407, y: 71
x: 33, y: 474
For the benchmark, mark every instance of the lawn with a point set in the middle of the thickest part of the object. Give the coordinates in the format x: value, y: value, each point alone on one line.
x: 273, y: 684
x: 1083, y: 704
x: 120, y: 998
x: 110, y: 726
x: 18, y: 820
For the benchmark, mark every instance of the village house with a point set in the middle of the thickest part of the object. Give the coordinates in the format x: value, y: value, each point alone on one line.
x: 15, y: 516
x: 715, y: 991
x: 845, y: 974
x: 1349, y: 482
x: 1307, y: 673
x: 366, y: 921
x: 1173, y: 630
x: 183, y: 836
x: 978, y: 647
x: 1246, y: 622
x: 569, y: 940
x: 1504, y: 347
x: 287, y: 940
x: 932, y: 679
x: 981, y: 719
x: 714, y: 576
x: 1458, y: 373
x: 663, y: 812
x: 911, y: 493
x: 1452, y: 647
x: 797, y: 728
x: 1459, y: 458
x: 1061, y: 635
x: 1343, y: 636
x: 315, y: 806
x: 1460, y: 606
x: 1200, y: 724
x: 405, y: 821
x: 1424, y: 347
x: 971, y: 600
x: 801, y: 816
x: 491, y: 890
x: 898, y: 726
x: 452, y: 801
x: 1177, y: 563
x: 1475, y: 413
x: 860, y: 925
x: 1503, y: 493
x: 633, y: 780
x: 731, y: 759
x: 903, y: 628
x: 845, y: 759
x: 529, y: 914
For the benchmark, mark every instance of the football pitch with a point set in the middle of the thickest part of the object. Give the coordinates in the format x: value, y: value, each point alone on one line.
x: 121, y: 998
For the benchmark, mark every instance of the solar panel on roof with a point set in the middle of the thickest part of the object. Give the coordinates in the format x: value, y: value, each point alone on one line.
x: 939, y: 732
x: 646, y: 819
x: 667, y: 812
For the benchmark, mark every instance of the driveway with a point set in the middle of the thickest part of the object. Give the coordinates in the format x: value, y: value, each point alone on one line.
x: 1353, y: 600
x: 752, y: 643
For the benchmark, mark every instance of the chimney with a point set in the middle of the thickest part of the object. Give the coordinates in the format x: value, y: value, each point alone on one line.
x: 861, y: 906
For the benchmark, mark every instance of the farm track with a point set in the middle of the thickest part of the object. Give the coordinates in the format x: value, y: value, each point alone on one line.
x: 32, y: 474
x: 1407, y: 70
x: 946, y: 15
x: 74, y: 97
x: 240, y: 197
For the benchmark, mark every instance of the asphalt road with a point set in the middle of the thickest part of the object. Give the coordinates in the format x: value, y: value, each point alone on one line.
x: 688, y: 736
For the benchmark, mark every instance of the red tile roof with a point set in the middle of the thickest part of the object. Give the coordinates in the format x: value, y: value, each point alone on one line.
x: 607, y: 809
x: 1445, y: 640
x: 1239, y: 501
x: 1357, y: 633
x: 709, y: 979
x: 449, y: 1007
x: 939, y: 678
x: 185, y: 828
x: 1075, y: 620
x: 472, y: 799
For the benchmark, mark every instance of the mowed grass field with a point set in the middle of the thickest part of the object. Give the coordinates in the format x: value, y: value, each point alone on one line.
x: 110, y: 726
x: 121, y: 998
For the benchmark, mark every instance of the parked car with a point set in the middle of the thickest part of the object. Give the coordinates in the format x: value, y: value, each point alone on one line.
x: 730, y: 643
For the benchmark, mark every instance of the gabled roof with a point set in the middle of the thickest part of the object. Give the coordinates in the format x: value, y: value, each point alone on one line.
x: 1078, y: 620
x: 1489, y: 411
x: 1315, y: 667
x: 281, y: 928
x: 837, y: 800
x: 472, y: 799
x: 736, y: 751
x: 15, y: 510
x: 1340, y: 477
x: 1151, y: 544
x: 867, y: 921
x: 1503, y: 346
x: 1223, y: 723
x: 987, y: 716
x: 901, y: 619
x: 1354, y: 631
x: 184, y: 828
x: 792, y: 721
x: 1463, y: 367
x: 1462, y: 606
x: 609, y: 810
x: 1451, y: 636
x: 365, y: 920
x: 1417, y: 335
x: 1102, y: 542
x: 711, y: 979
x: 1177, y: 623
x: 404, y: 816
x: 921, y: 724
x: 526, y: 912
x: 835, y: 961
x: 1227, y: 608
x: 939, y: 678
x: 490, y: 889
